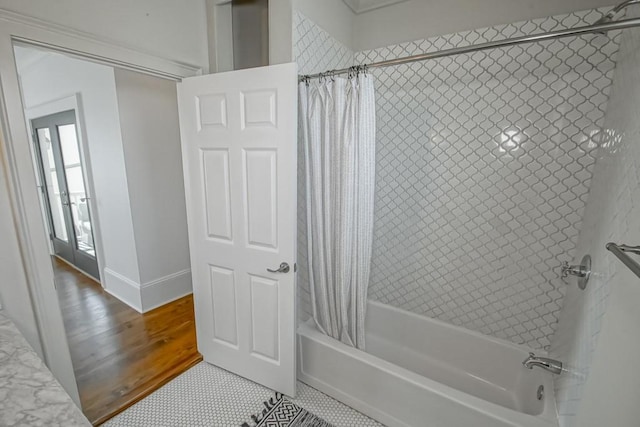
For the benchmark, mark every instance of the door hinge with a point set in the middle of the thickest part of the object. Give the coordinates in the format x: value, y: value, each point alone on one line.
x: 50, y: 236
x: 295, y: 267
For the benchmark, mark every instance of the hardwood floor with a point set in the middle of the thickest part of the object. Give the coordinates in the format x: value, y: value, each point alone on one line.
x: 119, y: 355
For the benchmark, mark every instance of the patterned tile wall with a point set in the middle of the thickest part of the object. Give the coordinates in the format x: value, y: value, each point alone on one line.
x: 314, y: 51
x: 484, y: 163
x: 610, y: 215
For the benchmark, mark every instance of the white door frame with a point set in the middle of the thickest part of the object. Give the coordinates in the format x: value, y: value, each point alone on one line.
x: 16, y: 152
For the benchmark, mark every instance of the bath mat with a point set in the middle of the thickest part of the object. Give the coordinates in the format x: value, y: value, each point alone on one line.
x: 280, y: 412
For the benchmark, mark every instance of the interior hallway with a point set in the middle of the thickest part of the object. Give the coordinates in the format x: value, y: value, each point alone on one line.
x: 119, y: 355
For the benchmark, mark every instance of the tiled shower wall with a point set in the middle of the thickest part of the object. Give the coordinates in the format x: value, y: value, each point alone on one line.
x: 484, y: 163
x: 314, y: 51
x: 611, y: 215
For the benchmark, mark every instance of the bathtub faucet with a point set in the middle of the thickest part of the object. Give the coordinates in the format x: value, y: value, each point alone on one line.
x: 553, y: 366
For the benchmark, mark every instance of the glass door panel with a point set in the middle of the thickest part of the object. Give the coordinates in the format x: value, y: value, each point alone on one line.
x: 52, y: 187
x: 75, y: 185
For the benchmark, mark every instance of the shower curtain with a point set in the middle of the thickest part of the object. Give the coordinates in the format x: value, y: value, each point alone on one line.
x: 338, y: 129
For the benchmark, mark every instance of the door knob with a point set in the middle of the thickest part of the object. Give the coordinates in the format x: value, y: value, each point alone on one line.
x: 284, y: 268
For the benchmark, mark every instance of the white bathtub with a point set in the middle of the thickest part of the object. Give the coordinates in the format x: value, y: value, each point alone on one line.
x: 422, y: 372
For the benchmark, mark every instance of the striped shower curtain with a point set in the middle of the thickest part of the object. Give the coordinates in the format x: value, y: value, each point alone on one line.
x: 338, y: 130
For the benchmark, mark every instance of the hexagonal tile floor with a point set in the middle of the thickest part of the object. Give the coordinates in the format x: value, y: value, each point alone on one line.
x: 206, y: 395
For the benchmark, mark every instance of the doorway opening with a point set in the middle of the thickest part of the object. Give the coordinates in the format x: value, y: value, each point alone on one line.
x: 106, y: 151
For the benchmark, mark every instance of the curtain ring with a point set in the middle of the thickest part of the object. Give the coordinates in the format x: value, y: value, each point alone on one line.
x: 353, y: 72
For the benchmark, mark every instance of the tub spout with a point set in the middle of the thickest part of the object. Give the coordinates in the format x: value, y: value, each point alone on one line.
x: 553, y: 366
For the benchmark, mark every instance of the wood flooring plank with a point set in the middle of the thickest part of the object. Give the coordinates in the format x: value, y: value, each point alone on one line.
x: 120, y: 356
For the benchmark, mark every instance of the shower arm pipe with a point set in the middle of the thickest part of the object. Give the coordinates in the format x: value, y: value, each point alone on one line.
x: 551, y: 35
x: 613, y: 12
x: 620, y: 252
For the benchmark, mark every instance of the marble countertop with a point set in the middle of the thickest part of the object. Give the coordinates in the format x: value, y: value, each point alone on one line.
x: 29, y: 394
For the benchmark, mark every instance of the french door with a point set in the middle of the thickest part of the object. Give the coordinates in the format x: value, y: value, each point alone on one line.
x: 64, y: 190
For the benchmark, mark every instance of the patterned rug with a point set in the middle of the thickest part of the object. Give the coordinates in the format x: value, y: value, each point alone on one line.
x: 280, y: 412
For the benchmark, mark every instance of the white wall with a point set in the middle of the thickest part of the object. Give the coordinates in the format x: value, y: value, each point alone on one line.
x: 418, y: 19
x: 151, y: 139
x: 333, y: 16
x: 14, y: 293
x: 173, y: 29
x: 56, y: 76
x: 597, y: 337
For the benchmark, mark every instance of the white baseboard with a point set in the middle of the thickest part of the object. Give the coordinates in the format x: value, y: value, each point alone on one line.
x: 166, y: 289
x: 123, y: 288
x: 145, y: 297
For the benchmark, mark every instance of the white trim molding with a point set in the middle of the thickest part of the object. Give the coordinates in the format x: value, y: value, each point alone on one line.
x: 361, y: 6
x: 123, y: 288
x: 109, y: 52
x: 147, y: 296
x: 169, y: 288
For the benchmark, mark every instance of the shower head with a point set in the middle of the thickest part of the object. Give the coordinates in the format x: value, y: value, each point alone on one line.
x: 613, y: 12
x: 605, y: 19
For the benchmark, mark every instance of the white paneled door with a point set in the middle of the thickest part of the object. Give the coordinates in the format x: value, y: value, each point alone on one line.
x: 239, y: 151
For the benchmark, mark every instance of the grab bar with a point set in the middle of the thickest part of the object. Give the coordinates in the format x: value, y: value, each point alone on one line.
x: 619, y: 251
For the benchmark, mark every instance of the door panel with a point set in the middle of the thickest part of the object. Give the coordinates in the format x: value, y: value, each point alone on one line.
x: 217, y: 194
x: 259, y: 167
x: 264, y: 323
x: 223, y: 300
x: 238, y: 134
x: 76, y: 189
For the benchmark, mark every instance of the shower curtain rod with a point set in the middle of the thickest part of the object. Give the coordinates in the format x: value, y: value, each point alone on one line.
x: 551, y: 35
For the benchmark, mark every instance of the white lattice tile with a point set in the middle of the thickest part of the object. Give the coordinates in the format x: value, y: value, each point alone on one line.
x: 484, y: 164
x: 483, y: 169
x: 611, y: 214
x: 315, y: 50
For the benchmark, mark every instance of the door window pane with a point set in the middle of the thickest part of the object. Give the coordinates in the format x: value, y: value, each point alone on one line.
x: 51, y: 184
x: 75, y: 182
x: 75, y: 185
x: 69, y: 144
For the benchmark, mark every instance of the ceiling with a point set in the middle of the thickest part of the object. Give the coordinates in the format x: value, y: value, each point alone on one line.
x: 360, y: 6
